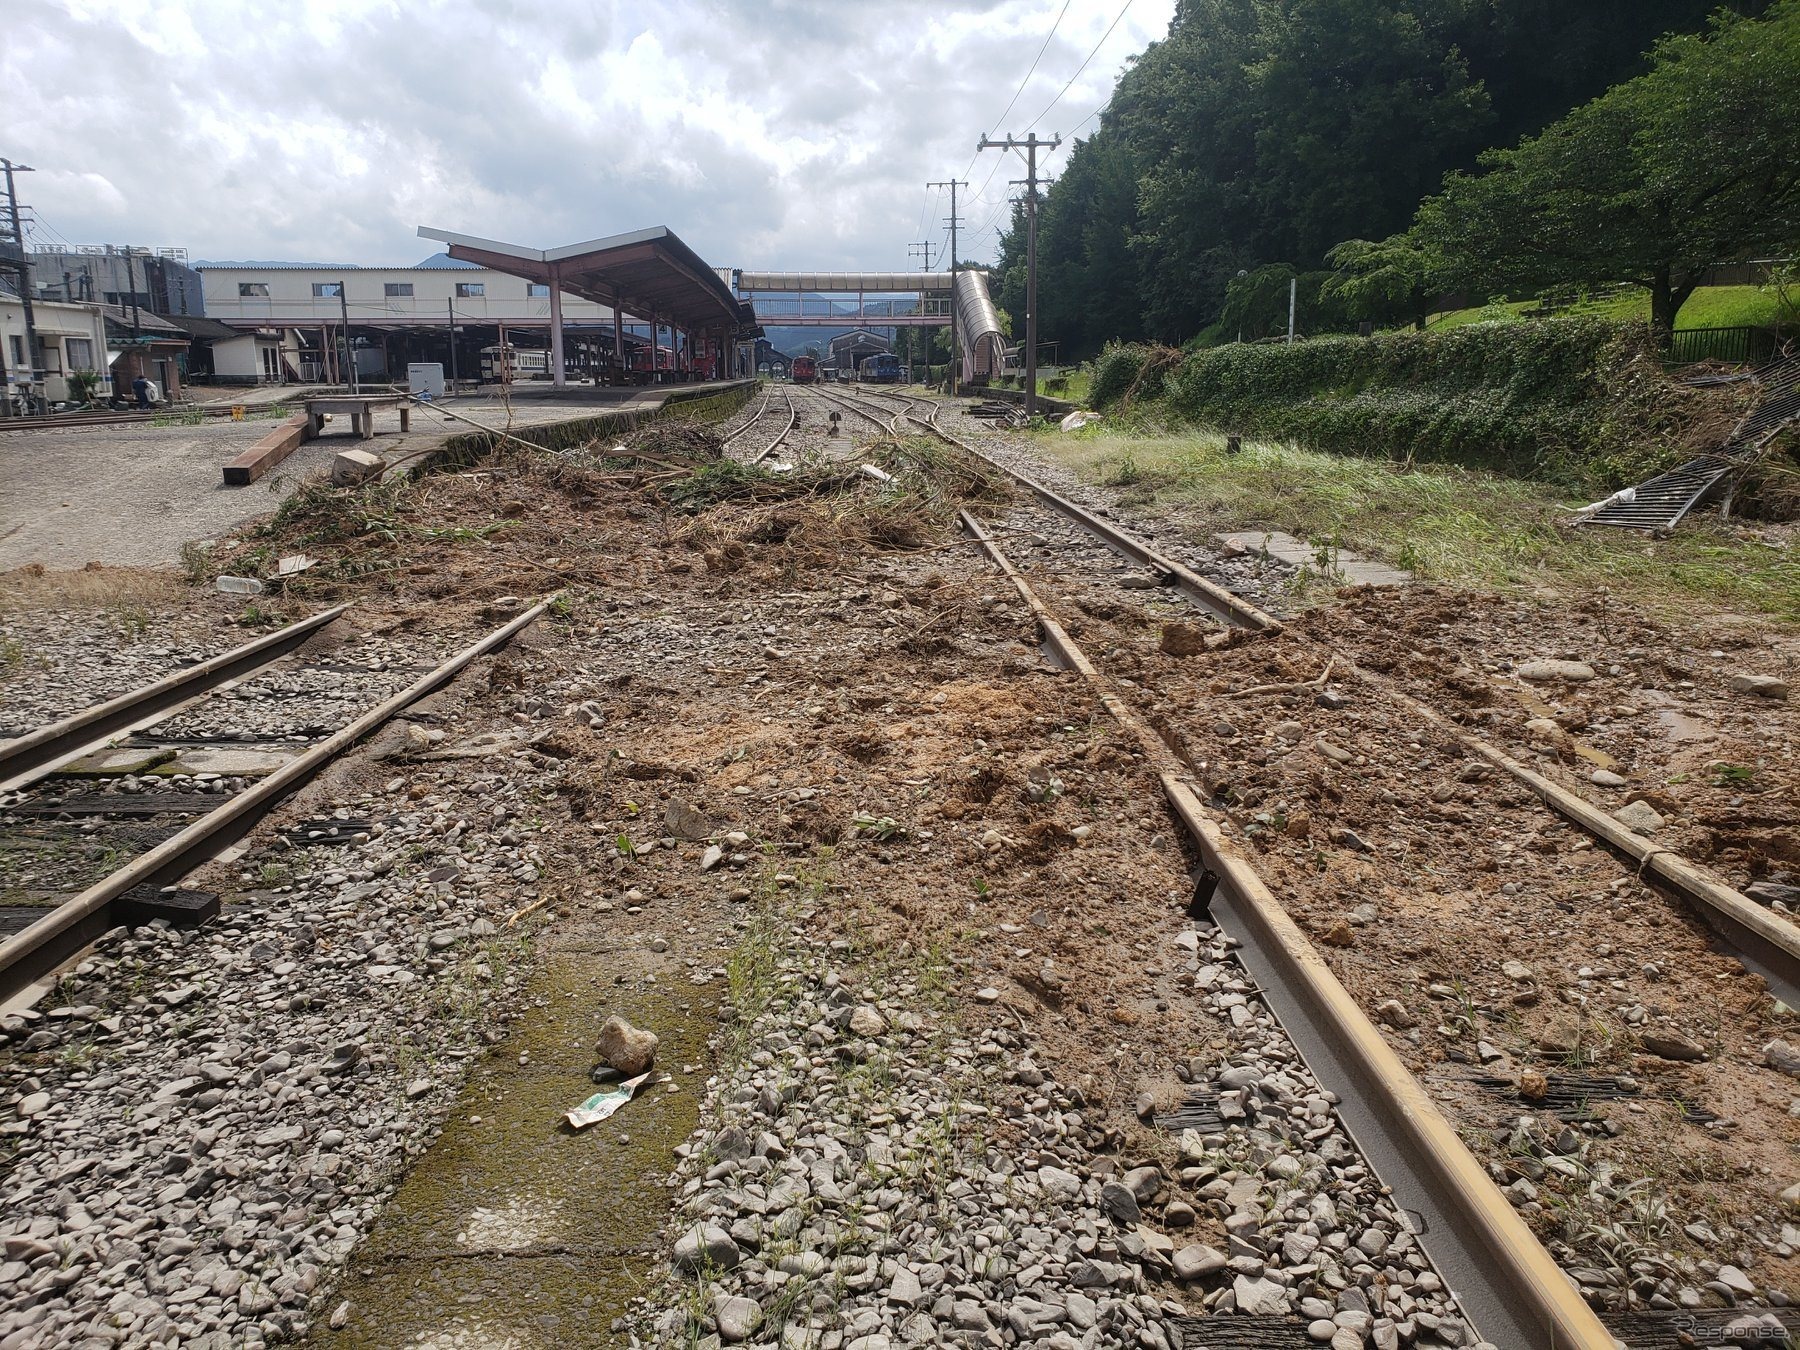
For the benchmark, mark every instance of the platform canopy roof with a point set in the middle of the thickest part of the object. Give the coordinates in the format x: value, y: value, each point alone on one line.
x: 648, y: 272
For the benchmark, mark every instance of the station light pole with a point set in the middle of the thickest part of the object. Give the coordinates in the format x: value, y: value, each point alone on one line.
x: 1030, y: 146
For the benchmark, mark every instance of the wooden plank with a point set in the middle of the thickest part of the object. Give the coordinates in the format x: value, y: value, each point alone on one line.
x: 269, y: 451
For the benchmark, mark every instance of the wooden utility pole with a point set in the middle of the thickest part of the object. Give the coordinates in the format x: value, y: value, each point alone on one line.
x: 1030, y: 147
x: 955, y: 358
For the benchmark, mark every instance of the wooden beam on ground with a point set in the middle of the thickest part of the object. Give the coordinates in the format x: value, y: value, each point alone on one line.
x: 268, y: 452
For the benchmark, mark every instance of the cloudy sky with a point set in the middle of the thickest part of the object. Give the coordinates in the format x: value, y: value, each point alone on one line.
x: 775, y: 134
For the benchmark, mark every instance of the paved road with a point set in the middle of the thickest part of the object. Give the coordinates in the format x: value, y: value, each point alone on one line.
x: 133, y: 495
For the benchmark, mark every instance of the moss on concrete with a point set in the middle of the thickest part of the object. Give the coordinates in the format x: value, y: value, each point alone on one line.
x: 514, y: 1232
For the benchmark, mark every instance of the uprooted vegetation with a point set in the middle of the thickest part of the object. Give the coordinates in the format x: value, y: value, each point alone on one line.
x: 524, y: 522
x: 1582, y: 403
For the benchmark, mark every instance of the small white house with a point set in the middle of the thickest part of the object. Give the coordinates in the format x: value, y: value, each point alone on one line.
x: 266, y: 356
x: 71, y: 338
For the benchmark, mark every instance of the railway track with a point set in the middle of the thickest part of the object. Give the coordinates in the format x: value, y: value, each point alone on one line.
x: 787, y: 417
x: 1512, y: 1288
x: 1767, y: 943
x: 173, y: 417
x: 128, y: 797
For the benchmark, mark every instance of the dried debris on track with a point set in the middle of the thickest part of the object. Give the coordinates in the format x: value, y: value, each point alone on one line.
x: 784, y: 778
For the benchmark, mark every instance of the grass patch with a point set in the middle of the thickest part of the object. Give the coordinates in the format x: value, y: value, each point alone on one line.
x: 122, y: 589
x: 1443, y: 523
x: 1707, y: 307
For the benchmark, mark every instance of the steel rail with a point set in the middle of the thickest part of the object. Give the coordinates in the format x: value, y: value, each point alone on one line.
x: 38, y: 950
x: 888, y: 425
x: 39, y: 751
x: 1229, y: 609
x: 53, y: 423
x: 1504, y: 1280
x: 793, y: 420
x: 1765, y: 941
x: 757, y: 416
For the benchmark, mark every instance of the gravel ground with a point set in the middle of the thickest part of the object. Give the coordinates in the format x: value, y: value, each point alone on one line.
x: 872, y: 1174
x: 231, y: 1106
x: 840, y: 786
x: 69, y: 660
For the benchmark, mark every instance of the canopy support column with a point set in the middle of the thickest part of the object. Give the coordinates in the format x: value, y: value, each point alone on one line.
x: 618, y: 353
x: 558, y: 377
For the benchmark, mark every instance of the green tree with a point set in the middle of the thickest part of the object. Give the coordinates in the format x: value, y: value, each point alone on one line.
x: 1695, y: 162
x: 1263, y: 131
x: 1384, y: 280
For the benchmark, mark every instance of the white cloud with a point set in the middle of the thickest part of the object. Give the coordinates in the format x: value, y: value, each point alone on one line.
x: 776, y: 134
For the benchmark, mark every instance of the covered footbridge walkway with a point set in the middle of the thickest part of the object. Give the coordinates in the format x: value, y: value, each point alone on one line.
x: 885, y: 300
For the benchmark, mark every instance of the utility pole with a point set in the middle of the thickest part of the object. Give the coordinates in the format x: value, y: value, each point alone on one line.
x: 918, y: 250
x: 1030, y: 146
x: 955, y: 359
x: 131, y: 289
x: 349, y: 356
x: 18, y: 233
x: 450, y: 306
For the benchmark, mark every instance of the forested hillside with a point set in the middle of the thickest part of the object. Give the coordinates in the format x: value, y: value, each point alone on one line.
x: 1268, y: 132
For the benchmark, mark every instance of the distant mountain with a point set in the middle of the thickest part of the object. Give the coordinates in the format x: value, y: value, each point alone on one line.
x: 793, y: 340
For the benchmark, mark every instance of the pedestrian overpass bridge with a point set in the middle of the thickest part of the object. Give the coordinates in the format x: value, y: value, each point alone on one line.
x: 882, y: 299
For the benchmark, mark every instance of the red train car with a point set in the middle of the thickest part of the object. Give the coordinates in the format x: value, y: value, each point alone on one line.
x: 805, y: 370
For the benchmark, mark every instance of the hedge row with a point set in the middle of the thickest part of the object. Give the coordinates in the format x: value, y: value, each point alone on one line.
x: 1581, y: 401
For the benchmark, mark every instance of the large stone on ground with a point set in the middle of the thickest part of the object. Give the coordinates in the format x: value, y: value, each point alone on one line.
x: 1763, y: 686
x: 1183, y: 639
x: 684, y: 821
x: 1192, y: 1262
x: 626, y: 1048
x: 1574, y: 672
x: 350, y: 467
x: 1671, y: 1045
x: 1782, y: 1057
x: 706, y: 1246
x: 1639, y: 817
x: 738, y: 1317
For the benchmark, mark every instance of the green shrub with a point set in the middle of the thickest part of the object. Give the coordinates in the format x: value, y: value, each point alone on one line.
x: 1578, y: 401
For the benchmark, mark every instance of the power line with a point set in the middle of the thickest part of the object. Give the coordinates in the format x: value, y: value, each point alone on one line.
x: 1022, y: 83
x: 1000, y: 120
x: 1123, y: 10
x: 930, y: 201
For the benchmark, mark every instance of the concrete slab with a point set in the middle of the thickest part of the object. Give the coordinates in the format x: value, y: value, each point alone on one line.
x: 511, y: 1231
x: 230, y: 761
x: 1285, y: 548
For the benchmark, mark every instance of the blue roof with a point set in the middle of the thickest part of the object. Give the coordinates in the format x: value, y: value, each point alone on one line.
x: 445, y: 260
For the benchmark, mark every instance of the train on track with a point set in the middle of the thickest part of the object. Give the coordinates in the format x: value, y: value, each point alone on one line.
x: 881, y: 368
x: 805, y: 370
